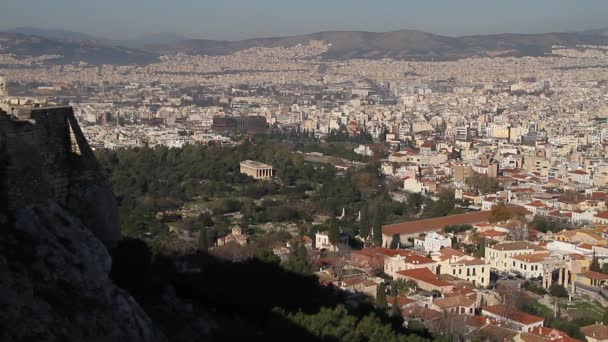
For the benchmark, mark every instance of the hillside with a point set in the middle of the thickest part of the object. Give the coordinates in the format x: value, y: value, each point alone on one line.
x: 404, y: 44
x: 401, y: 45
x: 72, y: 50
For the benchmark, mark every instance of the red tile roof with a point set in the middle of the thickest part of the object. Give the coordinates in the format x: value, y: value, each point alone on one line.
x: 603, y: 214
x: 517, y: 316
x: 371, y: 252
x: 597, y: 331
x: 423, y: 275
x: 401, y: 301
x: 594, y: 275
x: 434, y: 224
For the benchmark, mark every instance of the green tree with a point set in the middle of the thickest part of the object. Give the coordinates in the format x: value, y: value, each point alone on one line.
x: 364, y: 226
x: 595, y: 264
x: 267, y: 255
x: 402, y: 287
x: 395, y: 241
x: 395, y: 309
x: 444, y: 206
x: 381, y: 296
x: 203, y: 242
x: 377, y: 224
x: 557, y: 290
x: 483, y: 183
x: 298, y: 261
x: 377, y: 228
x: 333, y: 231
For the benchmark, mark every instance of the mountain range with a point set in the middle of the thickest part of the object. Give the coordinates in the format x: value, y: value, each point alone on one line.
x: 402, y: 45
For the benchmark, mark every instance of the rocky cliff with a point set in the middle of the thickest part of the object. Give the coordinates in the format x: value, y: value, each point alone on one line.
x: 58, y: 216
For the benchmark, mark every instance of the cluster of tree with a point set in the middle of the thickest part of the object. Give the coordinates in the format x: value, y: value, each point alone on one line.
x: 338, y: 325
x: 543, y: 225
x: 557, y: 290
x: 501, y: 212
x: 258, y: 295
x: 342, y: 135
x: 534, y: 288
x: 483, y: 184
x: 444, y: 206
x: 457, y: 228
x: 335, y: 149
x: 596, y: 266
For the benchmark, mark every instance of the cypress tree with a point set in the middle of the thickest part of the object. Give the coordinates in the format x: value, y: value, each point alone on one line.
x: 395, y: 310
x: 334, y: 232
x: 377, y: 226
x: 364, y: 226
x: 203, y: 242
x: 381, y: 296
x: 595, y: 264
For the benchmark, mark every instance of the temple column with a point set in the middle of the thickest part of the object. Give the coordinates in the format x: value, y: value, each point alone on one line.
x: 561, y: 277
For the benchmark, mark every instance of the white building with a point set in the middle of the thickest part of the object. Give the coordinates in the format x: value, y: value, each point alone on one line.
x: 460, y: 265
x: 520, y: 321
x: 499, y: 255
x: 364, y: 150
x: 432, y: 242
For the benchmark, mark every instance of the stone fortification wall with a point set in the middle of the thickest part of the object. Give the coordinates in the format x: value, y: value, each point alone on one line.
x: 45, y: 157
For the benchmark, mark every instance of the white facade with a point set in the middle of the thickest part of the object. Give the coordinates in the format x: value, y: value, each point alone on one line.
x: 432, y: 242
x: 498, y: 255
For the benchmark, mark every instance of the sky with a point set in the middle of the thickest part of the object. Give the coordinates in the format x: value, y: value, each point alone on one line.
x: 241, y: 19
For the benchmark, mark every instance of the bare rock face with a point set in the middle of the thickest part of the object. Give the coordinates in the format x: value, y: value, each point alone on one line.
x: 55, y: 285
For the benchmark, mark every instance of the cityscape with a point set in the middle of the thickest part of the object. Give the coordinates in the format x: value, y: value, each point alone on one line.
x: 312, y: 187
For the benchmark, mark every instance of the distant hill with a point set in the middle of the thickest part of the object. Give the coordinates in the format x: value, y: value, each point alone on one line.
x: 160, y: 38
x: 404, y: 44
x: 72, y: 49
x: 600, y: 32
x: 54, y: 34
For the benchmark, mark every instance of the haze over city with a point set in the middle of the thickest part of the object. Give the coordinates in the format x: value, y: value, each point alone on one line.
x: 304, y: 171
x: 242, y: 19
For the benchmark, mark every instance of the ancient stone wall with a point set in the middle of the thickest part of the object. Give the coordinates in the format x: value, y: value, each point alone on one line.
x: 45, y: 157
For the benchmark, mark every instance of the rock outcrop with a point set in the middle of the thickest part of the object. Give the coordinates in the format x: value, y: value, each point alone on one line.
x: 58, y: 217
x: 55, y: 285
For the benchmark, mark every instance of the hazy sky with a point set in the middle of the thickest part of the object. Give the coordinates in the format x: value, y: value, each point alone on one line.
x: 238, y: 19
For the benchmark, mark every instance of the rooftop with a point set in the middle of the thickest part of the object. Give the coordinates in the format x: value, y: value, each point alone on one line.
x: 424, y: 275
x: 434, y: 224
x: 597, y: 331
x: 255, y: 164
x: 516, y: 316
x: 513, y: 246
